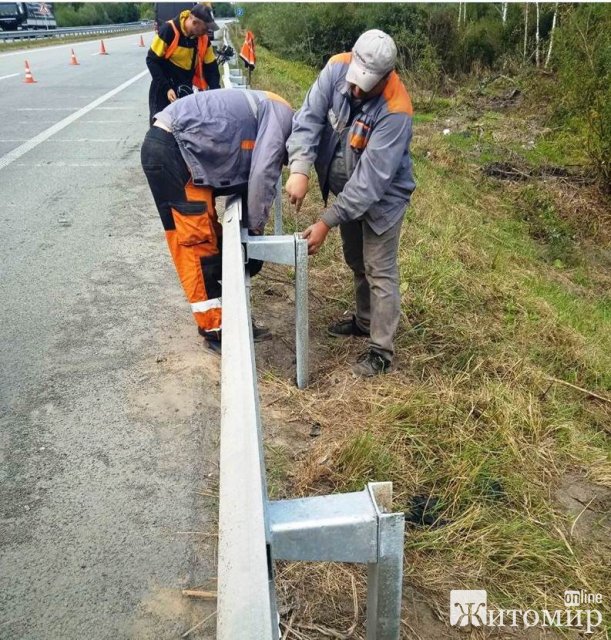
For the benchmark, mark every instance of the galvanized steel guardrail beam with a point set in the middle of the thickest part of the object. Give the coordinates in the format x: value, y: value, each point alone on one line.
x: 35, y: 34
x: 245, y: 588
x: 254, y: 532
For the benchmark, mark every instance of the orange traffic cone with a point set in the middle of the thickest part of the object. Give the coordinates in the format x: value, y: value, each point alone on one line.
x: 73, y: 59
x: 102, y: 48
x: 29, y: 78
x: 141, y: 42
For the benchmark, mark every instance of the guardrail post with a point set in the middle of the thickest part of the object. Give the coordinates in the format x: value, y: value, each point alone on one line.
x: 302, y: 338
x: 278, y: 208
x: 292, y: 251
x: 385, y: 577
x: 349, y: 527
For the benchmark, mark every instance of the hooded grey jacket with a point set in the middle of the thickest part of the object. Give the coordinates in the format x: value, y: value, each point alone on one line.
x: 232, y: 139
x: 377, y: 156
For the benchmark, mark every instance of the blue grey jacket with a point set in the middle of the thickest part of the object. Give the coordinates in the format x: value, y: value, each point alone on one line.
x: 377, y: 147
x: 233, y: 138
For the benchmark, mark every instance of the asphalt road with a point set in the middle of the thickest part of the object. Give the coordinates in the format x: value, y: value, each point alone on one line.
x: 108, y: 400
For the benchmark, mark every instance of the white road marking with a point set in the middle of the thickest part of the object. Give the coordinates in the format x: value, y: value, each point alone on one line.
x: 15, y: 154
x: 66, y: 164
x: 67, y: 140
x: 12, y: 75
x: 46, y: 109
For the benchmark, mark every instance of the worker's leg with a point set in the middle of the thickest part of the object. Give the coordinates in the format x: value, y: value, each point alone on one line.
x: 380, y: 255
x: 352, y: 243
x: 195, y: 247
x: 191, y: 227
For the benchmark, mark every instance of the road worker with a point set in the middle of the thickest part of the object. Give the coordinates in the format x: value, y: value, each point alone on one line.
x: 207, y: 144
x: 181, y: 56
x: 355, y: 127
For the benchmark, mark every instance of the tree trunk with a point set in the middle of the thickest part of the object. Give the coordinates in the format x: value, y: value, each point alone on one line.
x: 551, y: 36
x: 525, y: 29
x: 537, y: 37
x: 505, y: 13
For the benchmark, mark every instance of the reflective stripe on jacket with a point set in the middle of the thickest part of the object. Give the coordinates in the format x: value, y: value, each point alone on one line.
x: 233, y: 138
x: 377, y: 156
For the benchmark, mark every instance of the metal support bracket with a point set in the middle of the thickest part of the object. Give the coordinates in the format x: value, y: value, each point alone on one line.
x: 292, y: 251
x: 318, y: 529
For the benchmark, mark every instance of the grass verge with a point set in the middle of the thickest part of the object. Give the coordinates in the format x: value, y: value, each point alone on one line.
x: 505, y: 297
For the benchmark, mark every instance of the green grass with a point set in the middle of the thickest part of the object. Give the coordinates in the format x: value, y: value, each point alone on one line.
x: 500, y: 294
x: 289, y: 79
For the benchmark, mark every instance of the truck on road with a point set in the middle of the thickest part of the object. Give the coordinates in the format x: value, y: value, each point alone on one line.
x: 26, y: 15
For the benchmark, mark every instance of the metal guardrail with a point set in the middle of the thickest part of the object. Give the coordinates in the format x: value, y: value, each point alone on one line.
x: 245, y: 590
x: 36, y: 34
x: 254, y: 532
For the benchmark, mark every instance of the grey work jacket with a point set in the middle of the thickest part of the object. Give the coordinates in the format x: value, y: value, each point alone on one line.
x: 233, y: 138
x: 378, y: 163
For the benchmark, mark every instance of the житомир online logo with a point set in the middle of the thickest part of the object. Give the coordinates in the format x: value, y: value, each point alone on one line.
x: 470, y: 608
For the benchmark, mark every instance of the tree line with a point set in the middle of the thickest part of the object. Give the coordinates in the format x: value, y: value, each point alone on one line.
x: 80, y: 14
x: 445, y: 42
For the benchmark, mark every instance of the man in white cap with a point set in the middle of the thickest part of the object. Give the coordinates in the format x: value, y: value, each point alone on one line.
x: 355, y: 127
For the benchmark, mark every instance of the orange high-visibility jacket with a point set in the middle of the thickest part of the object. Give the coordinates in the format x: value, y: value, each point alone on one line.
x: 174, y: 58
x: 202, y: 46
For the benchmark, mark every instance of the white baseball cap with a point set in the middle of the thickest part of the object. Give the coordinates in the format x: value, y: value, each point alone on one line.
x: 373, y: 56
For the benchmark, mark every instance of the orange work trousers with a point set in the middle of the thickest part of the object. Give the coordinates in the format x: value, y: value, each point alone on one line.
x: 195, y: 246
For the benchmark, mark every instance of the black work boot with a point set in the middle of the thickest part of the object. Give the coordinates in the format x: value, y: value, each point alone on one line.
x: 371, y: 363
x: 346, y: 327
x: 260, y: 334
x: 215, y: 346
x: 214, y: 338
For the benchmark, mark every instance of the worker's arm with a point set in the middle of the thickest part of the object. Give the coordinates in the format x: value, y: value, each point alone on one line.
x: 211, y: 69
x: 267, y: 159
x: 309, y: 122
x: 155, y: 60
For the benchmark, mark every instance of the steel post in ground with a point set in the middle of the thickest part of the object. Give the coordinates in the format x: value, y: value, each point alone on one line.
x: 385, y: 577
x: 278, y: 208
x: 302, y: 337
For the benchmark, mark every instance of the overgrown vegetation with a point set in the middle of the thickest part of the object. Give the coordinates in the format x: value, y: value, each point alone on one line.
x: 78, y: 14
x: 505, y: 287
x: 440, y: 44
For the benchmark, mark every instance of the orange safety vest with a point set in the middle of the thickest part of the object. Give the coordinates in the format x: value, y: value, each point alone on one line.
x: 202, y: 45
